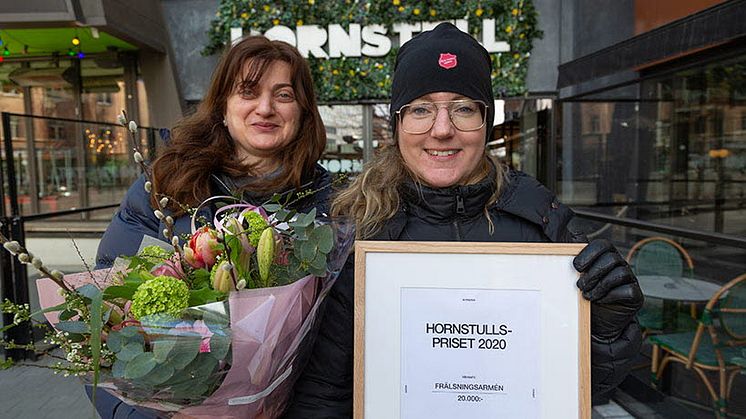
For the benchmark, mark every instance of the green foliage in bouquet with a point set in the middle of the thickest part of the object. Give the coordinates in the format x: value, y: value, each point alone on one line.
x: 178, y: 361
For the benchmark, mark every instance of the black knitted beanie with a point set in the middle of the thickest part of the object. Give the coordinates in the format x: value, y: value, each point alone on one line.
x: 444, y: 59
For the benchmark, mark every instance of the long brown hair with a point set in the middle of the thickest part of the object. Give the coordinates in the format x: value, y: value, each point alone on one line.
x: 374, y: 196
x: 201, y: 145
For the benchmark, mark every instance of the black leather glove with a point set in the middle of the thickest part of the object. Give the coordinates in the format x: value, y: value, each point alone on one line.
x: 608, y: 282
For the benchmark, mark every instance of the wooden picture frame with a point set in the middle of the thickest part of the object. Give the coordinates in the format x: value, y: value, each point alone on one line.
x: 401, y: 286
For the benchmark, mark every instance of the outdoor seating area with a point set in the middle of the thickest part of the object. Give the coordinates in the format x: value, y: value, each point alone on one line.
x: 690, y: 321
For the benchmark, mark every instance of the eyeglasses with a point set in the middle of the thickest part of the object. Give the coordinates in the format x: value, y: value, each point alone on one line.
x: 419, y: 118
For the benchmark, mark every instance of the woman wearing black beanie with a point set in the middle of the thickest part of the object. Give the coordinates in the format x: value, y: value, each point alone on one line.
x: 437, y: 183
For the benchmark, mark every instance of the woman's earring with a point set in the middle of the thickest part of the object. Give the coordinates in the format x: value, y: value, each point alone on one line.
x: 225, y: 123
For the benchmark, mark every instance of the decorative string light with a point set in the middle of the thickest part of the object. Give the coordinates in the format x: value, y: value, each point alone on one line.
x: 73, y: 52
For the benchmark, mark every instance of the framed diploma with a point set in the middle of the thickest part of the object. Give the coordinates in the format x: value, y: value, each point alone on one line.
x: 470, y: 330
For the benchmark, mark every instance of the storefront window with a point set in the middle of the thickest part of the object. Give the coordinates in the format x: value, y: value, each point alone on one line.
x: 675, y: 155
x: 669, y: 153
x: 61, y: 163
x: 521, y: 134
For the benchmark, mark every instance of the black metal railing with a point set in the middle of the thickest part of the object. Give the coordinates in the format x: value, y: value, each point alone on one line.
x: 59, y: 163
x: 707, y: 237
x: 30, y: 170
x: 14, y: 275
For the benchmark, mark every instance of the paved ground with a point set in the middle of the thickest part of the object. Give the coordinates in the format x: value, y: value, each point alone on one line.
x: 32, y: 392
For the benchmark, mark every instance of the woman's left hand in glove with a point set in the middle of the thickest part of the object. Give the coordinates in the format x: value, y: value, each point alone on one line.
x: 608, y: 282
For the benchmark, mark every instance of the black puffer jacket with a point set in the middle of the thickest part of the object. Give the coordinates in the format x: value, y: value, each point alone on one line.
x: 525, y: 212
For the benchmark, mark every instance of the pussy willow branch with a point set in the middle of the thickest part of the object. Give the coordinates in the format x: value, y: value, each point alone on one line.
x: 43, y: 269
x: 131, y: 127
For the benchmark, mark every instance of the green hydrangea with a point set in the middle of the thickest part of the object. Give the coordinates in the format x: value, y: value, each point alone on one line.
x: 155, y: 252
x: 162, y: 294
x: 257, y: 224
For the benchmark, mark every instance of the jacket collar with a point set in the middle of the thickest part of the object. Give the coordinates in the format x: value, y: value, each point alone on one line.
x: 522, y: 196
x: 443, y: 205
x: 318, y: 181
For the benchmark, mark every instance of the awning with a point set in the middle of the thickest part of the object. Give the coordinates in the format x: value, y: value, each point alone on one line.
x: 719, y: 24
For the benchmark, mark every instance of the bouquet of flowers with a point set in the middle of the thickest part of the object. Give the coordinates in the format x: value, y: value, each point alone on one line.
x: 219, y: 327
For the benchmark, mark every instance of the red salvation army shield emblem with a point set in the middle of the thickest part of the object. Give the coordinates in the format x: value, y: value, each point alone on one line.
x: 447, y: 61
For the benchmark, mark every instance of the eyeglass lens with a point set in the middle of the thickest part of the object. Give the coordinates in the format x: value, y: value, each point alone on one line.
x: 466, y: 115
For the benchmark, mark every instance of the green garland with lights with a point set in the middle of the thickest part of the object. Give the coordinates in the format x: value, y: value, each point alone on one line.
x: 369, y: 78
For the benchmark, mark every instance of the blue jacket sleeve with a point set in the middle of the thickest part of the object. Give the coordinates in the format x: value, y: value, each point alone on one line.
x: 133, y: 220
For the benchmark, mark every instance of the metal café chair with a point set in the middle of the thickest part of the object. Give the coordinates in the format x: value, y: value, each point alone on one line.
x: 664, y: 257
x: 715, y: 345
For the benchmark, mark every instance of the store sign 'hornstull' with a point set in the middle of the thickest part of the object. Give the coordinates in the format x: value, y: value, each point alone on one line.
x: 369, y: 40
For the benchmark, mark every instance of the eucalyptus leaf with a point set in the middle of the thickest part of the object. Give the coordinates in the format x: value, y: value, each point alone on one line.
x: 130, y: 351
x: 192, y: 380
x: 189, y: 389
x: 305, y: 220
x: 130, y: 331
x: 306, y: 251
x: 300, y: 233
x: 159, y: 375
x: 117, y: 369
x: 184, y: 352
x: 319, y: 262
x: 73, y: 327
x: 316, y: 271
x: 67, y: 314
x: 163, y: 347
x: 89, y: 291
x: 272, y: 207
x: 114, y: 341
x: 215, y: 319
x: 219, y: 345
x: 282, y: 215
x: 324, y: 236
x: 139, y: 366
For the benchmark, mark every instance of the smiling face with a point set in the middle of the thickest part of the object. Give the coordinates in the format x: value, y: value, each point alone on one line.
x: 263, y: 119
x: 443, y: 156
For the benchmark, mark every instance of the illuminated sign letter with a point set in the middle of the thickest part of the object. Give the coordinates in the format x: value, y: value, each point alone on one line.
x: 310, y: 40
x: 377, y: 44
x: 341, y: 43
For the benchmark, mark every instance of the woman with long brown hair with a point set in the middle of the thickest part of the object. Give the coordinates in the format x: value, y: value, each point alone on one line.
x: 257, y: 132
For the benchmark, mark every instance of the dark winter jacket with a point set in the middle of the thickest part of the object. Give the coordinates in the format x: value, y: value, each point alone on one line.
x: 525, y: 212
x: 136, y: 218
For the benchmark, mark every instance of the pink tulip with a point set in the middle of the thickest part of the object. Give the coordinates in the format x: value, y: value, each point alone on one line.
x: 203, y: 248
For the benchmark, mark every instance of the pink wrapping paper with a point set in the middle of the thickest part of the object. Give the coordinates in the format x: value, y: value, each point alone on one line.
x: 267, y: 327
x: 49, y: 292
x: 265, y: 324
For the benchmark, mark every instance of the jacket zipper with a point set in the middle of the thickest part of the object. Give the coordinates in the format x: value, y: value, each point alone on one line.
x: 460, y: 209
